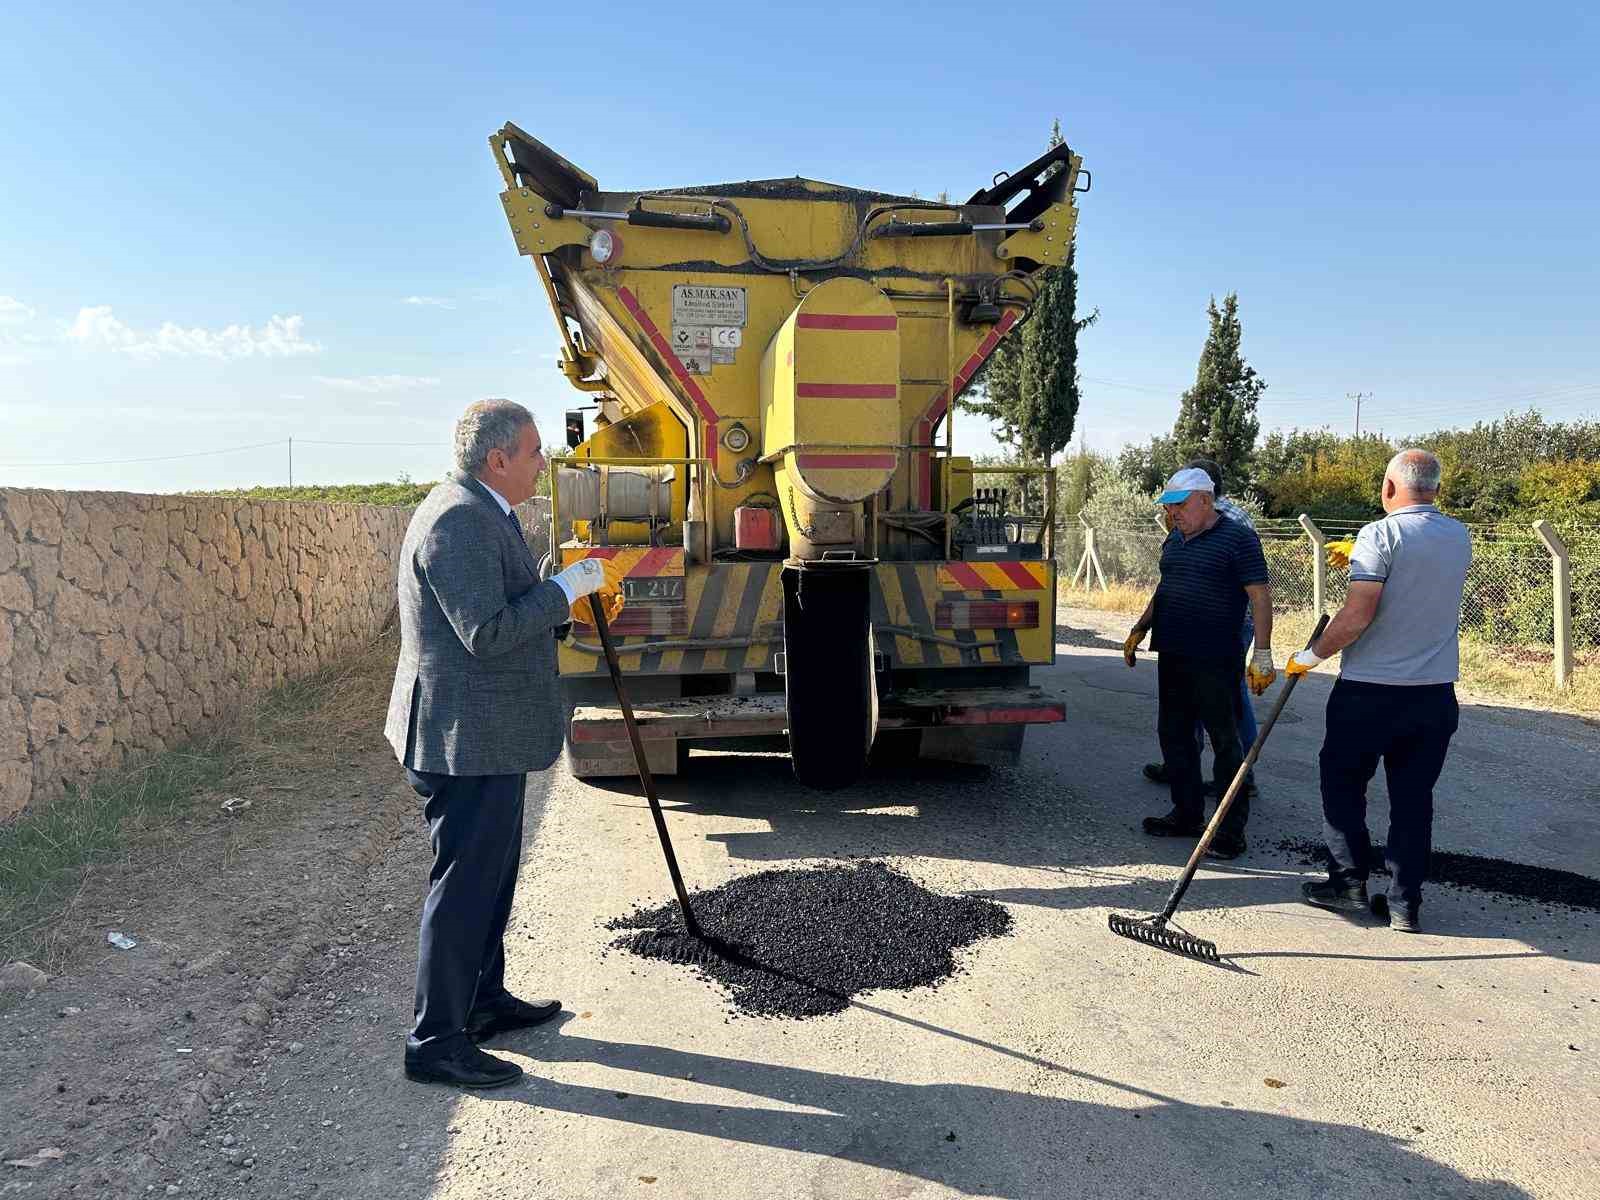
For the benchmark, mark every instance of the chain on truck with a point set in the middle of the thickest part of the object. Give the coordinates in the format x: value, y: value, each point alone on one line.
x: 772, y: 365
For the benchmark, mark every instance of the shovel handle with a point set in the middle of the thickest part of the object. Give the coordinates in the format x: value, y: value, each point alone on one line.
x: 1237, y: 785
x: 645, y: 778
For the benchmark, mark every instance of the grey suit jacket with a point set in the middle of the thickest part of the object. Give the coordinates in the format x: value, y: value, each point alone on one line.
x: 475, y: 691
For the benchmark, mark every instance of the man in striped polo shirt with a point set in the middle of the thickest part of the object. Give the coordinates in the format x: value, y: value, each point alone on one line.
x: 1211, y: 569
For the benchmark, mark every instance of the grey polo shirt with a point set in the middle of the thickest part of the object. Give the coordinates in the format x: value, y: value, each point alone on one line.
x: 1421, y: 558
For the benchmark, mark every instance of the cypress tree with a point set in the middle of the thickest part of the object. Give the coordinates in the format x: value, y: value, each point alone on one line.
x: 1217, y: 416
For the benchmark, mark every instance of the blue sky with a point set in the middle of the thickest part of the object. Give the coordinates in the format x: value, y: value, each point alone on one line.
x: 232, y: 225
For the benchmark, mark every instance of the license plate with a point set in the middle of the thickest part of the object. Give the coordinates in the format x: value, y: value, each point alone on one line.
x: 654, y: 589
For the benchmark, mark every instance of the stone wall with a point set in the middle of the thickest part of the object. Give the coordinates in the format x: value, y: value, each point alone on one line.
x: 127, y: 622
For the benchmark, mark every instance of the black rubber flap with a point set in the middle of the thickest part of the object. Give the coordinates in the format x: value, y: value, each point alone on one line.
x: 831, y: 693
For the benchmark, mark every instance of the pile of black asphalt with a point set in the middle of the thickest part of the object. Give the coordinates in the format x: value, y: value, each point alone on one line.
x: 1542, y: 885
x: 801, y: 942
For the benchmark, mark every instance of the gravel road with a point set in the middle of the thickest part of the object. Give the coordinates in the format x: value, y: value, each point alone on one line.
x: 1323, y: 1058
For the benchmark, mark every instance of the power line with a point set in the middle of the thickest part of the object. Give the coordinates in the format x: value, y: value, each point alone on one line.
x: 109, y: 462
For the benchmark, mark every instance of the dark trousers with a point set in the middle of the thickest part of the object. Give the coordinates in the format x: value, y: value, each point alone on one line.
x: 1191, y: 690
x: 475, y: 824
x: 1409, y: 728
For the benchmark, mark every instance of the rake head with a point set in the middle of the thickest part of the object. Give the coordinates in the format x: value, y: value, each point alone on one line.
x: 1154, y: 931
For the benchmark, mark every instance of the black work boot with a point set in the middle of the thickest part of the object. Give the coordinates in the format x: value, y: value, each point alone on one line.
x: 1156, y: 772
x: 1338, y: 897
x: 1404, y: 919
x: 1227, y: 845
x: 1174, y: 824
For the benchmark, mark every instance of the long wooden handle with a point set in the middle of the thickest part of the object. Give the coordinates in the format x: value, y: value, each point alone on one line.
x: 645, y: 778
x: 1237, y: 785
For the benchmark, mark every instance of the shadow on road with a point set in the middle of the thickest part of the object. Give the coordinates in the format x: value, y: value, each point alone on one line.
x: 990, y: 1141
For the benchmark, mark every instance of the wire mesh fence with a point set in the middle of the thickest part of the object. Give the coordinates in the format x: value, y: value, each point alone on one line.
x: 1509, y: 601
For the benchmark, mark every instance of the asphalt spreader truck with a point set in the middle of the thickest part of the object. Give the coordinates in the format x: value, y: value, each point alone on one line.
x: 766, y: 450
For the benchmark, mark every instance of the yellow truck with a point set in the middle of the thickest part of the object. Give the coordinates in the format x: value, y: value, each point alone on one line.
x: 771, y: 366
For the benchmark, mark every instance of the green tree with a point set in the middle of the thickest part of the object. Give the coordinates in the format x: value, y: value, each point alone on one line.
x: 1217, y: 416
x: 1028, y: 390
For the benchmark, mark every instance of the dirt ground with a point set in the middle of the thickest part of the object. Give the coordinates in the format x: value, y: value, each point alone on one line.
x: 250, y: 1044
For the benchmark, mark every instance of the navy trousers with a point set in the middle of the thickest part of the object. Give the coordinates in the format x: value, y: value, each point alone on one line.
x: 1191, y: 690
x: 1409, y: 729
x: 475, y: 825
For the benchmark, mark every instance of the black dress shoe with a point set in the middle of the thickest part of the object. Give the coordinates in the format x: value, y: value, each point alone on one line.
x: 1156, y: 772
x: 461, y: 1064
x: 1336, y: 897
x: 1172, y: 825
x: 507, y: 1014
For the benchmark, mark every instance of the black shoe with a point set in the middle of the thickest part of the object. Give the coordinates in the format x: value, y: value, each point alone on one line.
x: 1405, y: 919
x: 1226, y: 846
x: 1338, y: 897
x: 507, y: 1014
x: 1156, y: 772
x: 1172, y: 825
x: 461, y: 1064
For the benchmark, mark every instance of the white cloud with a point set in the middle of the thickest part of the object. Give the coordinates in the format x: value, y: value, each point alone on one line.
x: 372, y: 384
x: 14, y: 311
x: 430, y: 301
x: 98, y: 328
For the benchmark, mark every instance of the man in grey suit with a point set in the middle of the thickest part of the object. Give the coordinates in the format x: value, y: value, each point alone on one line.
x: 475, y: 706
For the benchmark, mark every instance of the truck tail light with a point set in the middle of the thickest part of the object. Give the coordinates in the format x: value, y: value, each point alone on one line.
x: 986, y: 614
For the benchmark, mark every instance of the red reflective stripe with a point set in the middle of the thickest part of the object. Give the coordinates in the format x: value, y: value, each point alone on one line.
x: 846, y: 391
x: 652, y: 561
x: 604, y: 552
x: 636, y: 310
x: 845, y: 462
x: 844, y: 321
x: 1006, y: 716
x: 938, y: 405
x: 1019, y: 575
x: 966, y: 576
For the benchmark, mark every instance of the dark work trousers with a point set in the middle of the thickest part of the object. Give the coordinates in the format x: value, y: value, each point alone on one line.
x: 1206, y: 691
x: 475, y: 824
x: 1409, y: 728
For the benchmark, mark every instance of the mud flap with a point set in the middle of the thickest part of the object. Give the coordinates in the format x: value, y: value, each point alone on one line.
x: 829, y: 684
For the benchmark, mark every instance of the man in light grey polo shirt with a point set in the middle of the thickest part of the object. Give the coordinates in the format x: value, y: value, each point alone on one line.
x: 1395, y: 698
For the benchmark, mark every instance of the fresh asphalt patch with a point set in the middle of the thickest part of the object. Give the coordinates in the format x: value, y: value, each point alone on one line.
x: 799, y: 943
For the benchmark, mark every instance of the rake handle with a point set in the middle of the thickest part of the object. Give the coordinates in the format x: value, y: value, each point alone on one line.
x: 645, y: 778
x: 1234, y: 788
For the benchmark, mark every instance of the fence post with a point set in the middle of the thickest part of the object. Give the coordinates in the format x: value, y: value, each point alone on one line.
x: 1319, y: 562
x: 1562, y: 568
x: 1093, y: 552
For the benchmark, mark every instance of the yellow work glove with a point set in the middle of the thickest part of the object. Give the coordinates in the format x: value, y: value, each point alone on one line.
x: 1302, y: 661
x: 1131, y: 646
x: 1260, y: 673
x: 609, y: 601
x: 1339, y: 552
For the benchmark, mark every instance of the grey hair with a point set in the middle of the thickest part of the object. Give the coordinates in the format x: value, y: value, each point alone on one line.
x: 1416, y: 471
x: 488, y: 425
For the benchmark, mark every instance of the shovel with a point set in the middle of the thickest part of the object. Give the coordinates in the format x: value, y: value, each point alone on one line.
x: 1154, y: 931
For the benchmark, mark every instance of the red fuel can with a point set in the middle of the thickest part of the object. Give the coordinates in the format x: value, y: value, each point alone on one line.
x: 755, y: 528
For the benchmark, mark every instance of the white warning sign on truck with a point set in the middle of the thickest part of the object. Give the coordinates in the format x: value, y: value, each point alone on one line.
x: 695, y: 304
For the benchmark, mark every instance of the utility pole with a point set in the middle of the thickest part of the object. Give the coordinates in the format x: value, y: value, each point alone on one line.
x: 1358, y: 397
x: 291, y: 462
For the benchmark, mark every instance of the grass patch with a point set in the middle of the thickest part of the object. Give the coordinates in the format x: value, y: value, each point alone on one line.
x: 1121, y: 598
x: 403, y: 493
x: 47, y: 853
x: 1516, y: 674
x: 50, y: 852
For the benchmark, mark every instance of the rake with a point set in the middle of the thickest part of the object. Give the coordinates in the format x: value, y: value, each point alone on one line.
x: 690, y: 925
x: 1157, y: 930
